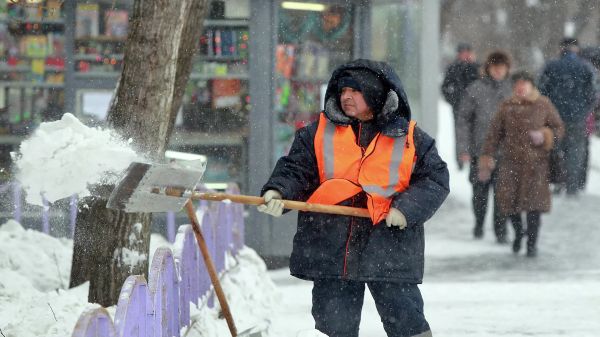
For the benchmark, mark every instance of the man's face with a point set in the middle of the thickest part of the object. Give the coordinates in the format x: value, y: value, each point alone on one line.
x: 354, y: 105
x: 498, y: 71
x: 522, y: 88
x: 466, y: 56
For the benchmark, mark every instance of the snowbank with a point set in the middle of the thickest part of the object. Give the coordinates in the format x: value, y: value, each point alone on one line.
x: 62, y: 158
x: 42, y: 260
x: 35, y: 271
x: 34, y: 301
x: 251, y: 295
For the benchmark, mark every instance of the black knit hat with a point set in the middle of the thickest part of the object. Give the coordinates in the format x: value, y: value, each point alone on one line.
x: 569, y: 42
x: 373, y: 89
x: 463, y: 46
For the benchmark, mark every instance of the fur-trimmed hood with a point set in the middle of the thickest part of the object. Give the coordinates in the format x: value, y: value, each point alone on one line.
x: 393, y: 118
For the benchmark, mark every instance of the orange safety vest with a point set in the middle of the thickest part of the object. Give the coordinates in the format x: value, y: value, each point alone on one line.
x: 384, y: 168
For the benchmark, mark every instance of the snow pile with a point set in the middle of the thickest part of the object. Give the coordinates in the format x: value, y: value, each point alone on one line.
x: 250, y: 293
x: 32, y: 313
x: 62, y: 158
x: 44, y: 261
x: 35, y: 270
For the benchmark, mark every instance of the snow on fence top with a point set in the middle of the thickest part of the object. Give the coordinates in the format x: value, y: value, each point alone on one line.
x: 178, y: 277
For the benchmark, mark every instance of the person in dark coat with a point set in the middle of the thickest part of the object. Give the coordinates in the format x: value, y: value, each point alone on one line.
x: 569, y: 83
x: 459, y: 74
x: 591, y: 55
x: 524, y: 130
x: 481, y: 101
x: 341, y: 254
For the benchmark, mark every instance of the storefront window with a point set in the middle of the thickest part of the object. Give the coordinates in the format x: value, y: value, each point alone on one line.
x: 396, y: 39
x: 310, y: 44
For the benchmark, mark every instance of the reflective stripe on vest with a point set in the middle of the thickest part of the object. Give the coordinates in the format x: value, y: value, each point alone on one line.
x: 384, y: 169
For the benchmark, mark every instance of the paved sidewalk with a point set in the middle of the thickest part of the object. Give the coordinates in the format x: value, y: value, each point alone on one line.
x: 480, y: 288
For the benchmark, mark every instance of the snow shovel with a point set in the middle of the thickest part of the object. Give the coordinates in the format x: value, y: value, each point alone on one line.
x: 162, y: 188
x: 132, y: 194
x: 165, y: 187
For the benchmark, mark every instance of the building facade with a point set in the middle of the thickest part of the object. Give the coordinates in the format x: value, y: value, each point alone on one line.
x: 260, y: 74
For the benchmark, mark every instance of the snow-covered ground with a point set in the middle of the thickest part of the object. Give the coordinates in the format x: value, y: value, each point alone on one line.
x: 471, y: 288
x: 35, y: 301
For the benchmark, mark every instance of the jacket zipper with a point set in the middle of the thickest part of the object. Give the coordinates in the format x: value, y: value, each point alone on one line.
x: 362, y: 149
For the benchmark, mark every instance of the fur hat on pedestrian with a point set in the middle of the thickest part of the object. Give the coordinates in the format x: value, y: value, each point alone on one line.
x: 368, y: 83
x: 496, y: 57
x: 523, y: 75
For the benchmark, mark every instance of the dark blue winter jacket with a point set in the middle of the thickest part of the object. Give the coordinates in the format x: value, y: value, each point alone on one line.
x: 569, y: 83
x: 334, y: 246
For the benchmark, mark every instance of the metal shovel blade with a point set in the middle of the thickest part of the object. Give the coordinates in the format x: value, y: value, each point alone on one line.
x: 136, y: 191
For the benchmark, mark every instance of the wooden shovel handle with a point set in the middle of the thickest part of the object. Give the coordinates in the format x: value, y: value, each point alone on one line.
x: 289, y: 204
x: 210, y: 267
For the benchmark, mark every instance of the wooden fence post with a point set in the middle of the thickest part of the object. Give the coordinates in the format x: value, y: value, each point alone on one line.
x: 163, y: 284
x: 94, y: 323
x: 134, y: 314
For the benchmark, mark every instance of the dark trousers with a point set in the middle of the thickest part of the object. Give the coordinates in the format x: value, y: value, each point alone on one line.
x: 533, y: 228
x: 573, y: 146
x: 337, y: 306
x: 456, y: 149
x: 481, y: 191
x: 581, y: 182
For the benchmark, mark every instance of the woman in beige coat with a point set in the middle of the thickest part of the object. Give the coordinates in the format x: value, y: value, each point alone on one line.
x: 522, y: 133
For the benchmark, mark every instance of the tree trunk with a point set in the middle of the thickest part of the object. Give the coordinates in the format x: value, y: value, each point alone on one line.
x: 111, y: 245
x: 108, y: 246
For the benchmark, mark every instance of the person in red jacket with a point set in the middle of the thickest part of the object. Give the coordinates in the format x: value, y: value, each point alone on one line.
x: 364, y: 151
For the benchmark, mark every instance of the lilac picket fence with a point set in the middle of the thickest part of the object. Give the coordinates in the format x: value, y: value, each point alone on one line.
x: 177, y: 279
x: 13, y: 194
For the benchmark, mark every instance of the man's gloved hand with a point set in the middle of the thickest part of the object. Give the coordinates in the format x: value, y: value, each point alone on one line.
x: 273, y: 204
x: 395, y: 218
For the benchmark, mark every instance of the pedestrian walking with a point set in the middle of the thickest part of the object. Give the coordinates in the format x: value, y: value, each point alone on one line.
x: 524, y: 130
x: 480, y: 102
x: 592, y: 56
x: 459, y: 74
x: 569, y: 84
x: 364, y: 151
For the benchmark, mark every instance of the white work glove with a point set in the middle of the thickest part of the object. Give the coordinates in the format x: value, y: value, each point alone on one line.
x: 395, y: 218
x: 273, y: 204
